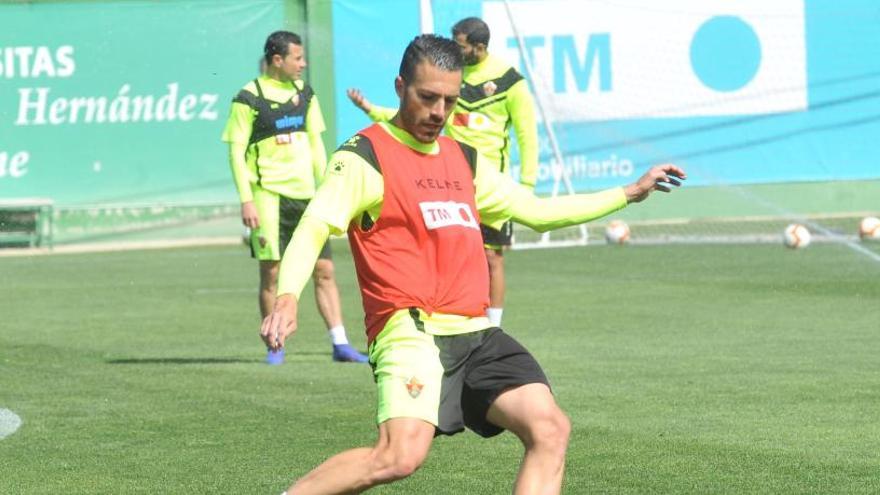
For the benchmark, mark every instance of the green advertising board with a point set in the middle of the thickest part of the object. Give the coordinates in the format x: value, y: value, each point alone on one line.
x: 124, y: 102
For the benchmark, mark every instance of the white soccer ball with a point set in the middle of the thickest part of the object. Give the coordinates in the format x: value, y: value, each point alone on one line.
x: 869, y: 228
x: 796, y: 236
x: 617, y: 232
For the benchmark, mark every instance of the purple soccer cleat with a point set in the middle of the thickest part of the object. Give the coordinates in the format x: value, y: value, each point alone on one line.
x: 275, y: 357
x: 345, y: 353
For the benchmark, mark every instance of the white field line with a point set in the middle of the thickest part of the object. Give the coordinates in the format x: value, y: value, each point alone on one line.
x: 102, y: 247
x: 852, y: 244
x: 225, y: 290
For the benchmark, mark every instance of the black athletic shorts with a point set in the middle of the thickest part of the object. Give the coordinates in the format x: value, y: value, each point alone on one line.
x: 497, y: 238
x: 478, y: 367
x: 268, y: 242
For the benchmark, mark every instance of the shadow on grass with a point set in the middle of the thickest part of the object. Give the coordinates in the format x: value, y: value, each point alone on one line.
x: 183, y: 360
x: 212, y: 360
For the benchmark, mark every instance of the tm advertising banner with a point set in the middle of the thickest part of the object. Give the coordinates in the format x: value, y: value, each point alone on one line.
x: 678, y: 58
x: 112, y: 102
x: 739, y: 92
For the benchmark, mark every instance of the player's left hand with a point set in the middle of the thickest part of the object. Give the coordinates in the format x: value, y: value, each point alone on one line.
x: 281, y: 322
x: 249, y: 216
x: 657, y: 178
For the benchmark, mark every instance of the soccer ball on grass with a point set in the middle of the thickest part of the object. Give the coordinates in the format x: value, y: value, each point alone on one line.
x: 869, y: 228
x: 617, y: 232
x: 796, y: 236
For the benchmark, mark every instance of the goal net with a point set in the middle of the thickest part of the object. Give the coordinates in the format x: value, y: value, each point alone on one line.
x: 722, y: 90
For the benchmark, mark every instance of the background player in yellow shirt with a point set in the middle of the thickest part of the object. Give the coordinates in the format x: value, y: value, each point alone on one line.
x: 277, y: 158
x: 494, y: 97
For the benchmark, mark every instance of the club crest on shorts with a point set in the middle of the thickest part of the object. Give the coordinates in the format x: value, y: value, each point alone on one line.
x: 262, y: 241
x: 414, y: 387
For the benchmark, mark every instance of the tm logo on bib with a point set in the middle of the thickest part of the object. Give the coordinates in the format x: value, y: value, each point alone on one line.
x: 438, y: 214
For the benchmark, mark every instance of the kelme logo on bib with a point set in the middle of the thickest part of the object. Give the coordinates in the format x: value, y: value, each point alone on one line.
x: 438, y: 214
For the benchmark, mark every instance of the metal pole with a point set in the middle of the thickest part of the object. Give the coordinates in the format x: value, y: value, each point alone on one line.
x: 558, y: 164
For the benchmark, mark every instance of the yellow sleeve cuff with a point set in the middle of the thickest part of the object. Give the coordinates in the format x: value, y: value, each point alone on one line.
x: 381, y: 114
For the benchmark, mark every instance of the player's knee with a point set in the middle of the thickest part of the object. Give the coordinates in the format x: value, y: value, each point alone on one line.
x: 268, y: 275
x: 391, y: 466
x: 551, y: 431
x: 404, y: 467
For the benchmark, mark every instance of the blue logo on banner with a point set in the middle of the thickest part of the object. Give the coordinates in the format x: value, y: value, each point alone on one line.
x: 288, y: 121
x: 725, y: 53
x: 597, y: 53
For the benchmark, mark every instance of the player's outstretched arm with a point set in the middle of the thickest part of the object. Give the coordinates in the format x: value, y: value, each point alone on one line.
x: 374, y: 112
x: 281, y: 322
x: 657, y: 178
x: 359, y: 100
x: 500, y: 199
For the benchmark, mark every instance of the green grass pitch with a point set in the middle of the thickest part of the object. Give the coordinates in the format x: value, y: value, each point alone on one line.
x: 684, y: 369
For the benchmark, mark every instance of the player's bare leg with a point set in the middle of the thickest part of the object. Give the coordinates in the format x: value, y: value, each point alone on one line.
x: 401, y: 449
x: 327, y: 298
x: 531, y: 413
x: 268, y: 286
x: 495, y: 258
x: 326, y: 293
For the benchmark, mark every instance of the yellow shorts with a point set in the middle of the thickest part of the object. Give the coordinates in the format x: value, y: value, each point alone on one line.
x: 279, y: 217
x: 406, y: 365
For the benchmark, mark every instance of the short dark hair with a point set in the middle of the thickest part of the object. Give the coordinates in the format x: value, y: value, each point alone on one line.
x: 439, y: 51
x: 474, y: 30
x: 277, y: 44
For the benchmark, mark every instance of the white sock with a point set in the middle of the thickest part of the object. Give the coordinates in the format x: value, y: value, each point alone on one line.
x: 337, y: 335
x: 494, y: 315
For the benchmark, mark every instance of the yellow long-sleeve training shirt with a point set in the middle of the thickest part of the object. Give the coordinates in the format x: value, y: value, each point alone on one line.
x: 353, y: 188
x: 286, y: 163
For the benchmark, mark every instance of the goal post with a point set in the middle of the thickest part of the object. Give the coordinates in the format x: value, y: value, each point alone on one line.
x: 558, y: 164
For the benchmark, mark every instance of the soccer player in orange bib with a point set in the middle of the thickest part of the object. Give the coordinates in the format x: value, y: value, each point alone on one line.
x: 412, y: 202
x: 494, y: 97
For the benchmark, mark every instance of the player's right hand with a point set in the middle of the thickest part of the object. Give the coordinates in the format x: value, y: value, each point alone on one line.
x: 281, y: 322
x: 359, y: 99
x: 249, y: 215
x: 658, y: 178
